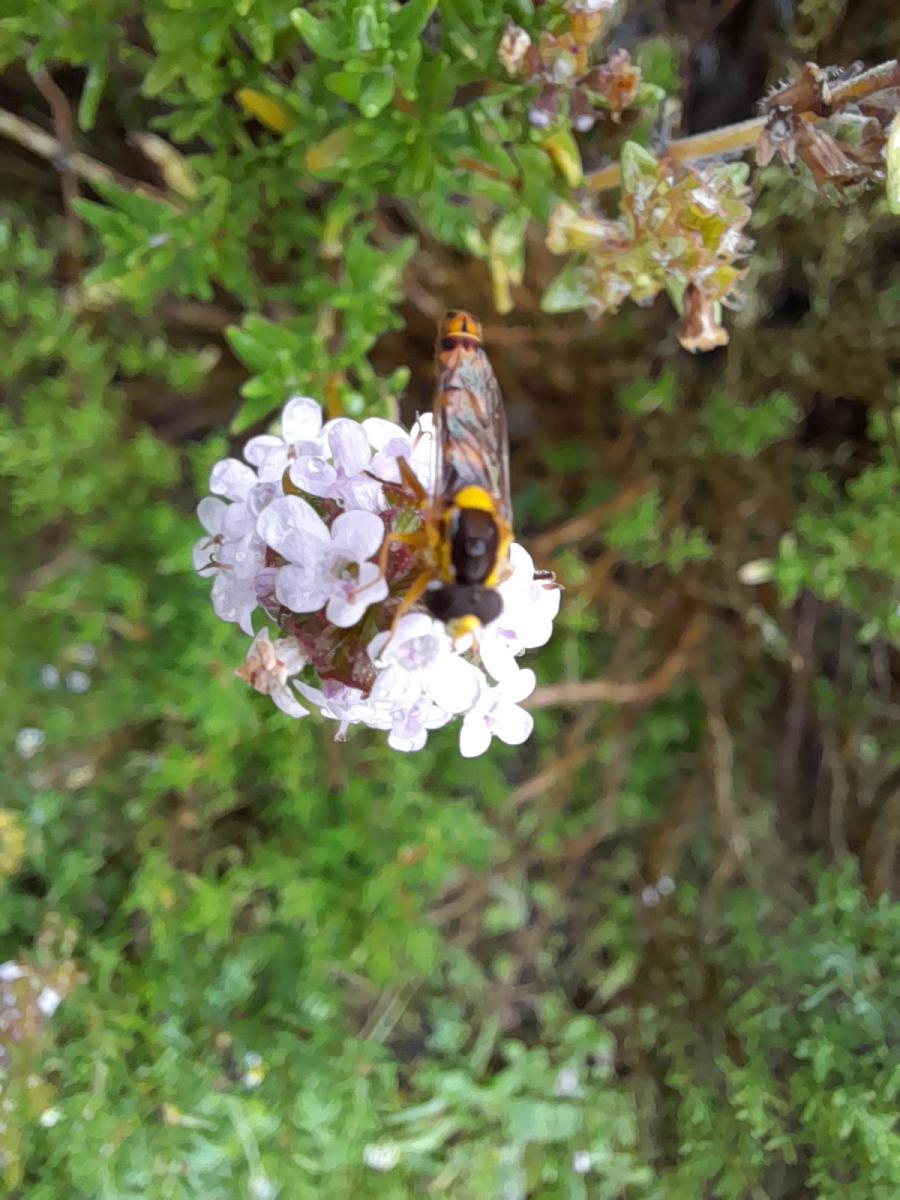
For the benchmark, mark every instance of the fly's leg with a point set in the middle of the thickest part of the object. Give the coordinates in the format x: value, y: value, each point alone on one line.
x: 409, y: 481
x: 417, y: 589
x: 417, y: 540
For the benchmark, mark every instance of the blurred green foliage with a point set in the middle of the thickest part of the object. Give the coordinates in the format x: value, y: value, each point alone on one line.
x: 293, y: 968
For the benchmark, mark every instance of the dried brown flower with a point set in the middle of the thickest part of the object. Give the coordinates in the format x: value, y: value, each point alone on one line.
x: 698, y: 328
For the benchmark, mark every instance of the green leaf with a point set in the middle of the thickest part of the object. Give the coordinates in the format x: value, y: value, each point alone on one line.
x: 317, y: 34
x: 570, y: 291
x: 90, y: 96
x: 375, y: 92
x: 637, y: 165
x: 892, y: 155
x: 407, y: 23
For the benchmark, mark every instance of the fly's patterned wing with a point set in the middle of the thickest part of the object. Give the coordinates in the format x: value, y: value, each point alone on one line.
x: 471, y: 443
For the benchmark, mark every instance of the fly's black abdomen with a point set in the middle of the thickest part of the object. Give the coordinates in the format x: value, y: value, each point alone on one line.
x: 474, y: 545
x: 455, y: 601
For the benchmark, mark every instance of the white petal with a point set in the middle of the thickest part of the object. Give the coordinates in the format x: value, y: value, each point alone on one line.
x: 223, y: 597
x: 474, y: 736
x: 455, y: 684
x: 290, y: 654
x: 245, y: 603
x: 258, y: 449
x: 512, y: 724
x: 522, y: 563
x: 519, y: 686
x: 211, y: 513
x: 314, y: 474
x: 262, y: 496
x: 300, y: 590
x: 498, y: 653
x: 293, y: 528
x: 245, y: 556
x: 358, y: 535
x: 407, y: 745
x: 380, y: 432
x: 287, y: 701
x: 301, y: 419
x: 231, y: 478
x: 345, y: 608
x: 313, y: 694
x: 239, y: 521
x: 390, y: 644
x: 395, y: 688
x: 274, y: 464
x: 349, y: 446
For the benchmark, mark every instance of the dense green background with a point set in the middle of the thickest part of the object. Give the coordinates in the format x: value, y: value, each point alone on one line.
x: 284, y: 957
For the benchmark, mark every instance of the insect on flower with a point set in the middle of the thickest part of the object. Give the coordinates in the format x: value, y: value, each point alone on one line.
x: 466, y: 526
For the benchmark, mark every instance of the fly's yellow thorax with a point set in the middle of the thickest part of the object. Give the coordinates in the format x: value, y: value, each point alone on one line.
x: 471, y: 497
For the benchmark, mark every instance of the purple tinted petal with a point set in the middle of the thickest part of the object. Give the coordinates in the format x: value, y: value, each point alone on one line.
x: 301, y: 419
x: 381, y: 432
x: 293, y: 528
x: 314, y: 474
x: 358, y: 535
x: 258, y: 449
x: 474, y: 736
x: 287, y: 701
x: 300, y: 590
x: 512, y: 724
x: 349, y: 447
x: 232, y: 479
x: 211, y: 514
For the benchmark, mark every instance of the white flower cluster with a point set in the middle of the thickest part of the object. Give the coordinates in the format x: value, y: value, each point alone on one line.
x: 311, y: 572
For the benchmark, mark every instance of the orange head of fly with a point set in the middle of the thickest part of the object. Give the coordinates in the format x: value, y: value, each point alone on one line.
x: 459, y: 328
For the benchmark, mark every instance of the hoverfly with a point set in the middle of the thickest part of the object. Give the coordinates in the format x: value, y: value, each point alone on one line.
x: 467, y: 521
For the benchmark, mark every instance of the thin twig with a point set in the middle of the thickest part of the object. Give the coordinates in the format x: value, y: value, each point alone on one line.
x: 734, y: 139
x: 63, y: 124
x: 44, y: 145
x: 585, y: 525
x: 612, y: 692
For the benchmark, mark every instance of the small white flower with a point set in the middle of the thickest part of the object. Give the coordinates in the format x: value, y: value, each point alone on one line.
x: 48, y: 1001
x: 268, y: 667
x: 566, y: 1082
x: 497, y: 714
x: 581, y: 1162
x: 347, y: 705
x: 232, y: 549
x: 301, y: 428
x: 78, y: 682
x: 381, y: 1156
x: 410, y: 726
x: 10, y: 971
x: 29, y: 741
x: 234, y: 590
x: 326, y: 568
x: 49, y: 676
x: 529, y: 608
x: 342, y: 473
x: 418, y: 660
x: 50, y: 1117
x: 85, y: 655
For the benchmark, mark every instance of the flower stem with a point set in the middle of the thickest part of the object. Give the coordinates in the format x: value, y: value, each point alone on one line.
x: 732, y: 139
